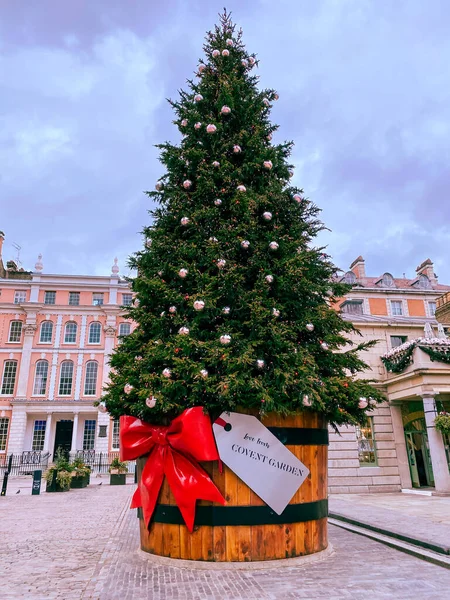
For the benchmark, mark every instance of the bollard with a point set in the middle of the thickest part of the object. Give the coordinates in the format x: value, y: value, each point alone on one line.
x: 5, y: 477
x: 36, y: 487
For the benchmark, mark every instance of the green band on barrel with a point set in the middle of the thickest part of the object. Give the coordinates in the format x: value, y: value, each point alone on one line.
x: 217, y: 516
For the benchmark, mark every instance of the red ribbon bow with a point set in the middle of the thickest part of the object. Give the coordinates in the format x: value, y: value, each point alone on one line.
x: 173, y: 452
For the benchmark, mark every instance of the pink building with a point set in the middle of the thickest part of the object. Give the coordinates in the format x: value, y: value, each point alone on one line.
x: 56, y: 333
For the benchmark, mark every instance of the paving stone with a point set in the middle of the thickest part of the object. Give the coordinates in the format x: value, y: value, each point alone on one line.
x: 83, y: 545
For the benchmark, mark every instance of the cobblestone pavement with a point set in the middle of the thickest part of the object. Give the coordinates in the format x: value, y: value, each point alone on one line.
x: 82, y: 545
x: 426, y: 518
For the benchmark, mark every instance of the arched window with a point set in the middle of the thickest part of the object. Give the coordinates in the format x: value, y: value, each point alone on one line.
x: 46, y: 332
x: 9, y: 377
x: 424, y: 282
x: 66, y: 378
x: 70, y: 333
x: 15, y: 331
x: 388, y: 280
x: 90, y: 379
x: 40, y: 378
x: 94, y: 333
x: 124, y: 329
x: 349, y: 277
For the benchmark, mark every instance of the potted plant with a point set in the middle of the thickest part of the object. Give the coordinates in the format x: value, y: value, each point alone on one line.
x: 80, y: 474
x: 117, y: 472
x: 442, y: 422
x: 59, y: 475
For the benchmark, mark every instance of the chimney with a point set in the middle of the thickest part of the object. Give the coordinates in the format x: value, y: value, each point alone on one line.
x: 358, y: 267
x: 2, y: 239
x: 426, y: 268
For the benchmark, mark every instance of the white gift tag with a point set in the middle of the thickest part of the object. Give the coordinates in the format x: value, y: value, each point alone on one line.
x: 259, y: 459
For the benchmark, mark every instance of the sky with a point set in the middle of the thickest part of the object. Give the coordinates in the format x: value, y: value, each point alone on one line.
x: 364, y: 94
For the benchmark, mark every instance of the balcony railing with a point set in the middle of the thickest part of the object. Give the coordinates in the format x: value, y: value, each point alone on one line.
x: 443, y: 309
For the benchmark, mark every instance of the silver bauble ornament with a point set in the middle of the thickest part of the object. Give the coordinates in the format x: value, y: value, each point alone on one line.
x: 269, y: 278
x: 159, y: 186
x: 102, y: 407
x: 128, y: 388
x: 362, y: 403
x: 187, y: 184
x: 324, y: 346
x: 225, y: 52
x: 225, y: 110
x: 182, y: 273
x: 260, y: 363
x: 173, y: 309
x: 184, y: 123
x: 217, y: 201
x: 241, y: 188
x: 306, y: 401
x: 148, y: 243
x: 275, y: 312
x: 267, y: 164
x: 216, y: 53
x: 273, y: 246
x: 150, y: 401
x: 237, y: 149
x: 183, y: 331
x: 198, y: 98
x: 185, y: 221
x: 216, y: 164
x: 251, y: 60
x: 245, y: 244
x: 267, y: 216
x: 201, y: 68
x: 211, y: 128
x: 244, y: 62
x: 297, y: 198
x: 204, y: 373
x: 199, y: 305
x: 167, y: 373
x: 309, y: 326
x: 226, y: 310
x: 225, y: 339
x: 229, y: 42
x: 213, y: 239
x: 197, y: 125
x: 221, y: 263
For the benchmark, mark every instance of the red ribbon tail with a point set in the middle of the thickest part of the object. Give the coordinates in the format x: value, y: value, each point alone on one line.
x: 151, y: 482
x: 189, y: 483
x: 136, y: 499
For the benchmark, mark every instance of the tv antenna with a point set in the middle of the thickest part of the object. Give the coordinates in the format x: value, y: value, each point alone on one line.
x: 18, y: 248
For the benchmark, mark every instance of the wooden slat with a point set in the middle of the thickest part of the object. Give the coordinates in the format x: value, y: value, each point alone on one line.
x: 231, y: 535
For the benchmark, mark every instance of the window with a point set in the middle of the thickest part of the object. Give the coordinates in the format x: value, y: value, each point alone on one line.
x: 66, y: 378
x: 20, y: 297
x: 90, y: 380
x: 38, y: 436
x: 431, y: 308
x: 124, y: 329
x: 89, y: 434
x: 40, y: 378
x: 97, y: 298
x: 115, y: 435
x: 70, y: 333
x: 9, y: 377
x: 127, y: 299
x: 424, y: 282
x: 46, y: 332
x: 74, y: 298
x: 396, y: 308
x: 349, y: 278
x: 4, y: 425
x: 15, y: 331
x: 352, y: 307
x: 50, y: 298
x: 398, y: 340
x: 366, y: 444
x: 94, y: 333
x: 387, y: 280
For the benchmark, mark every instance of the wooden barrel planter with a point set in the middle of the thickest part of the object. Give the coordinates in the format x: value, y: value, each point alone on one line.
x: 246, y: 529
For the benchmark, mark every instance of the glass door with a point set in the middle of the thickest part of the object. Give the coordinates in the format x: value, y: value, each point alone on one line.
x: 419, y: 454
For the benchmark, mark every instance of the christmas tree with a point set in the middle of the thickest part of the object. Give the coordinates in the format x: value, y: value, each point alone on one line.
x: 233, y: 303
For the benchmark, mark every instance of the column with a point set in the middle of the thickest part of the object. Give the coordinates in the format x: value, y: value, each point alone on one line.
x: 437, y: 450
x: 47, y: 433
x: 73, y: 447
x: 101, y: 443
x: 17, y: 430
x: 400, y: 446
x: 24, y: 372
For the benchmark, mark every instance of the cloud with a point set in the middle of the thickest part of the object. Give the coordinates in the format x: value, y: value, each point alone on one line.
x: 363, y: 91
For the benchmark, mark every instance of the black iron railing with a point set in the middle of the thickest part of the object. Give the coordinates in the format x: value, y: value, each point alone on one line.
x: 24, y: 463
